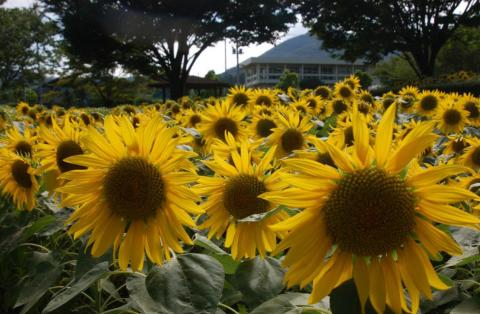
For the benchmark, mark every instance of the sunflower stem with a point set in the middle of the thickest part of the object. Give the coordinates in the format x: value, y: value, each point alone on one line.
x: 227, y: 308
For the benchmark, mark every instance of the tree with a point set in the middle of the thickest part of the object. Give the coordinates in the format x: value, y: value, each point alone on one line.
x: 461, y: 52
x: 288, y: 79
x: 372, y: 29
x: 27, y: 46
x: 211, y: 75
x: 163, y: 39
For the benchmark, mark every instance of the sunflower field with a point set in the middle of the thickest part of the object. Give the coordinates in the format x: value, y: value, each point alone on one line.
x: 265, y: 201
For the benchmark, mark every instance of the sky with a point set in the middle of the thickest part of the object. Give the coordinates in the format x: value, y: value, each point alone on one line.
x: 213, y: 58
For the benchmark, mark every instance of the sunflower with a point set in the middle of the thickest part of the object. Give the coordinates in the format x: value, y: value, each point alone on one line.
x: 18, y: 143
x: 233, y: 195
x: 456, y: 145
x: 262, y: 97
x: 262, y: 125
x: 323, y: 92
x: 363, y: 220
x: 221, y: 118
x: 292, y: 93
x: 450, y: 117
x: 238, y: 95
x: 132, y: 197
x: 22, y: 109
x: 353, y: 82
x: 318, y: 152
x: 409, y: 91
x: 343, y: 91
x: 290, y: 134
x: 3, y: 120
x: 314, y: 103
x: 224, y: 149
x: 342, y: 135
x: 191, y: 118
x: 57, y: 144
x: 387, y: 100
x: 472, y: 106
x: 428, y: 103
x: 337, y: 106
x: 471, y: 156
x: 301, y: 107
x: 17, y: 179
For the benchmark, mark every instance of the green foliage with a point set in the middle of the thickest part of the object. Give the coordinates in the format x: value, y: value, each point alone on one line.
x: 310, y: 83
x: 211, y: 75
x: 27, y: 48
x: 461, y: 52
x: 365, y: 79
x: 372, y: 29
x: 394, y: 72
x: 288, y: 79
x: 109, y: 32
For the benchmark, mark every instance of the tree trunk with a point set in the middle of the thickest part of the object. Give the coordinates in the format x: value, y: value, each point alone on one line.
x: 177, y: 87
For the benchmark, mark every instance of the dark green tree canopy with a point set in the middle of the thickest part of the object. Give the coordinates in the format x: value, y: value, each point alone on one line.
x: 164, y: 38
x: 27, y: 46
x: 372, y: 29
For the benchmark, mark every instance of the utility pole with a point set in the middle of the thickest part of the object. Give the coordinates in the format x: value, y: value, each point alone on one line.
x: 238, y: 52
x: 225, y: 54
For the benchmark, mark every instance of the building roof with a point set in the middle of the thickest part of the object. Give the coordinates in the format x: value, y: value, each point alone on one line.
x: 303, y: 49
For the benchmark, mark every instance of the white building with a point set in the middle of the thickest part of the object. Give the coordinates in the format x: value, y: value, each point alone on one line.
x: 302, y: 55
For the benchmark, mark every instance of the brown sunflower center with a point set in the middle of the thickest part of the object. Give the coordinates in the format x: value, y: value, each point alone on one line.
x: 348, y: 136
x: 312, y: 103
x: 339, y: 106
x: 225, y: 124
x: 407, y: 102
x: 291, y: 139
x: 476, y: 156
x: 472, y: 109
x: 387, y: 102
x: 85, y: 118
x: 67, y: 149
x: 363, y: 107
x: 264, y: 127
x: 241, y: 196
x: 195, y: 119
x: 135, y: 121
x: 263, y: 100
x: 20, y: 174
x: 458, y: 146
x: 322, y: 92
x: 452, y: 117
x: 133, y: 188
x: 367, y: 98
x: 345, y: 92
x: 240, y: 99
x: 429, y: 102
x: 370, y: 212
x: 24, y: 109
x: 23, y: 148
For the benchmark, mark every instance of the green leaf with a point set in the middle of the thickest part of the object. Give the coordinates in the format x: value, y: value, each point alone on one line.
x: 290, y: 303
x: 85, y: 261
x: 45, y: 270
x: 39, y: 225
x: 468, y: 306
x: 260, y: 217
x: 259, y: 280
x: 189, y: 283
x: 82, y: 284
x: 229, y: 264
x: 140, y: 297
x: 344, y: 299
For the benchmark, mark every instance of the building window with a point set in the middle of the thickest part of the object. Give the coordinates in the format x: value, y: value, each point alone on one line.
x: 344, y: 69
x: 293, y: 68
x: 275, y: 69
x: 310, y: 69
x: 328, y: 69
x: 327, y: 78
